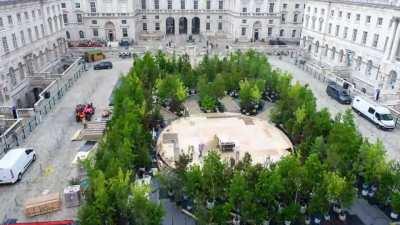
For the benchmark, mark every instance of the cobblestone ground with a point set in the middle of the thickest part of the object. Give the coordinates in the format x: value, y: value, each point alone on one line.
x: 53, y: 169
x: 390, y: 139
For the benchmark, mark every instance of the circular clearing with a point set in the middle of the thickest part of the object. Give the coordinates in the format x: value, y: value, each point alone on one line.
x: 231, y: 134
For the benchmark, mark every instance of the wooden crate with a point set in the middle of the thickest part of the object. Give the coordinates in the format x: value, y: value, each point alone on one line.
x: 42, y: 204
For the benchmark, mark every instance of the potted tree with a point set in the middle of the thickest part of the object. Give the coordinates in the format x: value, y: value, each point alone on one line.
x: 395, y: 203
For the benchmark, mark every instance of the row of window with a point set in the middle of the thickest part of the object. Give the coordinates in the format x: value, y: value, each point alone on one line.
x: 340, y: 14
x: 95, y: 32
x: 30, y: 34
x: 269, y: 32
x: 26, y: 16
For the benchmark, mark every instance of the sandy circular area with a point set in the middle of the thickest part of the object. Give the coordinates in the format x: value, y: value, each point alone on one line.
x: 231, y: 134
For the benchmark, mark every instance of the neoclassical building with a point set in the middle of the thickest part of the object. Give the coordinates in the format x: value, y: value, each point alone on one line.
x: 244, y: 20
x: 32, y: 37
x: 360, y: 39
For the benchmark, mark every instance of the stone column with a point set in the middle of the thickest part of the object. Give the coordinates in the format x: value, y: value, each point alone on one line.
x: 396, y: 42
x: 392, y: 36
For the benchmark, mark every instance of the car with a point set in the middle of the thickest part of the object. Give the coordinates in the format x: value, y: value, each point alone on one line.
x: 103, y: 65
x: 14, y: 164
x: 377, y: 114
x: 125, y: 54
x: 338, y: 93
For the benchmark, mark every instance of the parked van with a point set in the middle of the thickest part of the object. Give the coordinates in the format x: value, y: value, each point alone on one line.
x: 14, y: 163
x: 377, y: 114
x: 338, y: 93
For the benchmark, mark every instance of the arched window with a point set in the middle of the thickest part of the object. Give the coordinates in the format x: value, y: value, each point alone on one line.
x: 316, y: 47
x: 368, y: 70
x: 358, y: 63
x: 67, y: 35
x: 326, y: 50
x: 281, y: 33
x: 81, y: 34
x: 333, y: 53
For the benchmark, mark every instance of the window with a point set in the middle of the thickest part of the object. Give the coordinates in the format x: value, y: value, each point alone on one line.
x: 244, y: 10
x: 269, y: 31
x: 79, y: 18
x: 95, y: 32
x: 5, y: 44
x: 26, y: 15
x: 42, y: 29
x: 332, y: 12
x: 1, y: 22
x: 345, y: 31
x: 220, y: 4
x: 14, y: 40
x: 144, y: 17
x: 208, y: 26
x: 337, y: 30
x: 271, y: 21
x: 65, y: 18
x: 330, y: 28
x: 283, y: 18
x: 39, y: 12
x: 297, y: 6
x: 220, y: 17
x: 308, y: 8
x: 156, y: 17
x: 348, y: 16
x: 386, y: 41
x: 196, y: 4
x: 92, y: 7
x: 340, y: 14
x: 208, y: 5
x: 364, y: 37
x: 281, y: 33
x: 321, y: 22
x: 315, y: 10
x: 156, y: 4
x: 380, y: 21
x: 144, y: 26
x: 157, y: 26
x: 271, y: 7
x: 358, y: 17
x: 220, y: 26
x: 322, y: 11
x: 18, y: 18
x: 375, y: 41
x: 284, y: 6
x: 244, y: 21
x: 257, y: 10
x: 30, y: 35
x: 22, y: 35
x: 123, y: 21
x: 295, y: 18
x: 124, y: 32
x: 63, y: 5
x: 143, y: 4
x: 81, y: 34
x: 243, y: 31
x: 368, y: 19
x: 67, y: 35
x: 10, y: 21
x: 36, y: 32
x: 313, y: 24
x: 182, y: 4
x: 354, y: 38
x: 33, y: 14
x: 293, y: 33
x: 78, y: 5
x: 169, y: 4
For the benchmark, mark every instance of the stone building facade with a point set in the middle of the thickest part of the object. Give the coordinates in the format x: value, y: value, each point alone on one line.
x: 32, y: 37
x: 358, y: 38
x: 244, y: 20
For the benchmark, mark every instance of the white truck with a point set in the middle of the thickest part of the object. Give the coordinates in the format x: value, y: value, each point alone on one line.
x: 377, y: 114
x: 14, y: 163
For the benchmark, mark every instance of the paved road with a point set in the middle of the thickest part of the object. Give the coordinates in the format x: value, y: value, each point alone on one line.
x: 52, y: 170
x: 391, y: 140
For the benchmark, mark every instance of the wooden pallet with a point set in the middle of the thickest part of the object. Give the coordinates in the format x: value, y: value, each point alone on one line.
x: 42, y: 204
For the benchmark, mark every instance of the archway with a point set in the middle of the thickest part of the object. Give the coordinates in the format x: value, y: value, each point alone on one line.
x: 333, y: 53
x: 182, y: 25
x: 170, y: 25
x: 316, y: 47
x: 110, y: 31
x: 196, y: 25
x: 326, y: 50
x: 256, y: 30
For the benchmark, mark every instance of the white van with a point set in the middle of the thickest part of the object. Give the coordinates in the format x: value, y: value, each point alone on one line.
x: 377, y: 114
x: 14, y: 163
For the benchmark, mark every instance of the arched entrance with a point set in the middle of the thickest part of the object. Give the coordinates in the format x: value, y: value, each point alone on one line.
x: 110, y: 31
x: 196, y: 25
x: 256, y: 30
x: 182, y: 25
x: 170, y: 25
